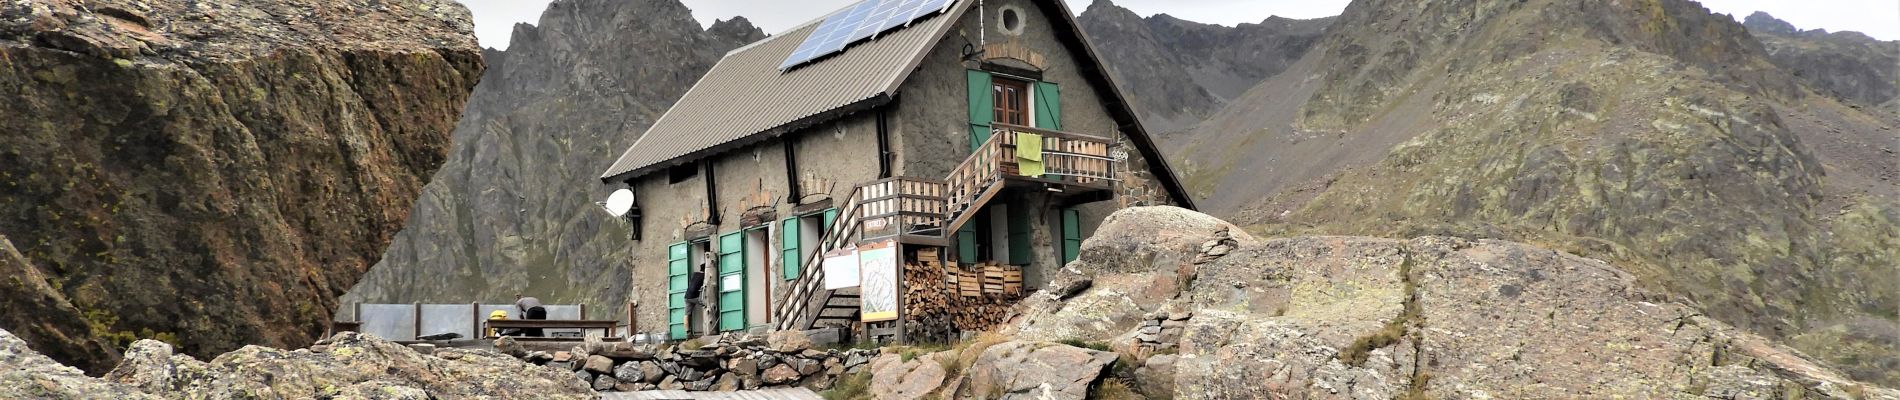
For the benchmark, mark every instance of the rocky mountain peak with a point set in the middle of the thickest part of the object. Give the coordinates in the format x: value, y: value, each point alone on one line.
x: 500, y: 218
x: 1179, y: 71
x: 1103, y: 6
x: 1763, y: 22
x: 737, y: 29
x: 1848, y: 65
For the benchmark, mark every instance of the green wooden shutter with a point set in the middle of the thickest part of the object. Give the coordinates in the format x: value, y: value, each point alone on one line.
x: 1071, y: 235
x: 677, y: 268
x: 982, y: 108
x: 789, y: 261
x: 1019, y: 251
x: 732, y: 299
x: 966, y: 244
x: 831, y: 216
x: 1048, y: 106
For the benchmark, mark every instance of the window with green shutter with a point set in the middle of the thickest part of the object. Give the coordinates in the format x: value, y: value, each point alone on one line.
x: 732, y: 282
x: 677, y: 269
x: 789, y: 260
x: 1048, y: 106
x: 982, y: 109
x: 1071, y: 235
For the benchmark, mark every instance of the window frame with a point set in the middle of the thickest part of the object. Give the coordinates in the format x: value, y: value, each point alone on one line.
x: 1001, y: 110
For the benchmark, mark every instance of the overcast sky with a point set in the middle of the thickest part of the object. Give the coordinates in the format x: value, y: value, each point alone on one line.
x: 495, y: 19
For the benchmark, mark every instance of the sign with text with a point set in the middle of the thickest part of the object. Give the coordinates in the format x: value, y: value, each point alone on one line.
x: 877, y: 291
x: 841, y: 269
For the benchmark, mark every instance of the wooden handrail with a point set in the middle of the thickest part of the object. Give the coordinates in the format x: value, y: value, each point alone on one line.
x: 1052, y: 133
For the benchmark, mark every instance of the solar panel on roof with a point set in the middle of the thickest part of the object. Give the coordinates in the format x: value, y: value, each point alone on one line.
x: 860, y: 21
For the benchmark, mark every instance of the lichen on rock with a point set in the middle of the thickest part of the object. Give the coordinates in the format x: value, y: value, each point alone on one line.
x: 1352, y: 317
x: 215, y: 172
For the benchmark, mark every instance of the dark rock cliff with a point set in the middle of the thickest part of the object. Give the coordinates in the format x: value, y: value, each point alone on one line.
x: 1652, y: 133
x: 1849, y: 65
x: 214, y: 172
x: 1178, y: 72
x: 512, y: 211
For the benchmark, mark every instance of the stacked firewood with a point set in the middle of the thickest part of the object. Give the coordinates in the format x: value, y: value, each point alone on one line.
x: 951, y: 299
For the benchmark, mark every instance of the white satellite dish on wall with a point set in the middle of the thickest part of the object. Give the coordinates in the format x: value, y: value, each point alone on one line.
x: 619, y: 203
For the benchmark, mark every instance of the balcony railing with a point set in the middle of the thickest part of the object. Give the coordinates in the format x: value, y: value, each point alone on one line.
x: 1066, y: 157
x: 902, y: 205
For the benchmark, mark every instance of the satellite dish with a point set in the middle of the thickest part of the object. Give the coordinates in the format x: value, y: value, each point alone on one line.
x: 619, y: 203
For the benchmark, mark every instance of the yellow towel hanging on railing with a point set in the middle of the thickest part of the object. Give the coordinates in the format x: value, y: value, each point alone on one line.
x: 1029, y: 154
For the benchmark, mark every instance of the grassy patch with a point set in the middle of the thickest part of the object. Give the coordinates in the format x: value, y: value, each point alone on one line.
x: 1115, y: 389
x: 1416, y: 391
x: 974, y: 348
x: 850, y: 387
x: 1361, y: 348
x: 908, y: 353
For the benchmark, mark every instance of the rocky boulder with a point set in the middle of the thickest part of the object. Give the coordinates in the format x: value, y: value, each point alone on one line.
x: 25, y: 374
x: 1139, y: 259
x: 897, y: 379
x: 351, y: 366
x: 1037, y: 370
x: 789, y: 341
x: 266, y: 149
x: 353, y: 362
x: 1350, y: 317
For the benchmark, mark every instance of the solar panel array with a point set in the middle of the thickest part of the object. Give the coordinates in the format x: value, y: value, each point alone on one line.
x: 858, y: 22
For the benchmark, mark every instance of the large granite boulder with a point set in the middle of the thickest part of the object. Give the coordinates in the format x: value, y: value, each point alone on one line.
x: 1139, y: 259
x: 1351, y: 317
x: 896, y: 379
x: 25, y: 374
x: 1037, y: 370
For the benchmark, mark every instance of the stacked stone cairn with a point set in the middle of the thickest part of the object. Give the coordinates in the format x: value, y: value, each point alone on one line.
x: 732, y: 362
x: 1160, y: 332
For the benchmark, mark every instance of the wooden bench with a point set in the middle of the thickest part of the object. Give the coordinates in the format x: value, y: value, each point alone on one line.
x: 606, y: 327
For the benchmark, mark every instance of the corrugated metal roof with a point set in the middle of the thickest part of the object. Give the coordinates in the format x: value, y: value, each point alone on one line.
x: 745, y: 96
x: 761, y: 394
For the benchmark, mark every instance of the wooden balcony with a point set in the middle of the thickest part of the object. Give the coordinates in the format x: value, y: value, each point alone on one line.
x: 903, y: 207
x: 1071, y: 161
x: 1068, y: 158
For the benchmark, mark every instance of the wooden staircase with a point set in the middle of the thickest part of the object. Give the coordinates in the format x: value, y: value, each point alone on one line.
x: 931, y: 211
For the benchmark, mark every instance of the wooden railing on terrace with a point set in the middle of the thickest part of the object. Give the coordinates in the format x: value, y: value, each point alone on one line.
x: 1066, y: 157
x: 901, y: 205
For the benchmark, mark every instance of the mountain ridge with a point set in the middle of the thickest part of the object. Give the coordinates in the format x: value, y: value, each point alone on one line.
x: 511, y: 211
x: 1654, y: 133
x: 1848, y: 65
x: 1178, y: 71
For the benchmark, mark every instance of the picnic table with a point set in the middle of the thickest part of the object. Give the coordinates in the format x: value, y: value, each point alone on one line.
x: 606, y: 326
